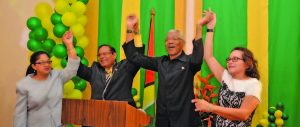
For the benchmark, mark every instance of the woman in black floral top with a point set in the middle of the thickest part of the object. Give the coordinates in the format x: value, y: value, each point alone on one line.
x: 240, y: 91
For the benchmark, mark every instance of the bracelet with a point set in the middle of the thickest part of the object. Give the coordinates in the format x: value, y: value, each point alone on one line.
x: 70, y: 49
x: 210, y: 108
x: 210, y: 30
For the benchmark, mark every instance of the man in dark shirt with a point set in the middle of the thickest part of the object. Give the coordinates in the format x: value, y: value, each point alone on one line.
x: 111, y: 80
x: 175, y: 76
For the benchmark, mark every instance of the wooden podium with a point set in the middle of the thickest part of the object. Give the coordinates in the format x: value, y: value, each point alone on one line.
x: 100, y: 113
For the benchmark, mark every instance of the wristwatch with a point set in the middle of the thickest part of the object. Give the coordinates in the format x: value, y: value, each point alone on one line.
x: 210, y: 30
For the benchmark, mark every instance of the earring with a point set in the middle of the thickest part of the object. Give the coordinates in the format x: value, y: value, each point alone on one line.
x: 34, y: 70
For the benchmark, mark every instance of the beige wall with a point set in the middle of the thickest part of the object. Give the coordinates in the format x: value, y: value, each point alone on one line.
x: 13, y: 50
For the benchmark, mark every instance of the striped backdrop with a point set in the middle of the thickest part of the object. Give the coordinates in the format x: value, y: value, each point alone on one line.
x: 269, y: 28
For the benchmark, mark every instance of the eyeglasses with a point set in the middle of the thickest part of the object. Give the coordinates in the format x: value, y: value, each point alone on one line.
x: 172, y: 39
x: 43, y: 63
x: 105, y: 53
x: 234, y: 59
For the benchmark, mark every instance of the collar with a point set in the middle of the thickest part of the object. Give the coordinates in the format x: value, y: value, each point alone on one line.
x: 181, y: 57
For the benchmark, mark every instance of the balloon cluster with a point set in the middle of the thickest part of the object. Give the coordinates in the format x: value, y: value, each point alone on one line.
x: 136, y: 97
x: 47, y: 29
x: 274, y: 117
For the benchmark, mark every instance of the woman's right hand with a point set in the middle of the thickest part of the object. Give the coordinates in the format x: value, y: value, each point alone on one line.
x: 204, y: 20
x: 68, y: 38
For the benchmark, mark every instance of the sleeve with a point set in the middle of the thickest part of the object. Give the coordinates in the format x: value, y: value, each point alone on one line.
x: 132, y: 68
x: 140, y: 60
x: 84, y: 72
x: 254, y: 89
x: 70, y: 71
x: 226, y: 77
x: 197, y: 55
x: 20, y: 117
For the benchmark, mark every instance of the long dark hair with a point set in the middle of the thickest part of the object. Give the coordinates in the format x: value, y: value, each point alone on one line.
x: 33, y: 58
x: 248, y: 58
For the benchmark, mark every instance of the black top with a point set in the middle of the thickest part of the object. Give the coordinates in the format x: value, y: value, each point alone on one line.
x: 175, y: 84
x: 120, y: 85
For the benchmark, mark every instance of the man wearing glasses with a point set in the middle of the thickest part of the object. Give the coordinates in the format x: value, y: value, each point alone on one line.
x: 175, y: 77
x: 111, y: 80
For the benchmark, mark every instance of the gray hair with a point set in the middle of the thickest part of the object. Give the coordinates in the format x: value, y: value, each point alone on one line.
x: 177, y: 31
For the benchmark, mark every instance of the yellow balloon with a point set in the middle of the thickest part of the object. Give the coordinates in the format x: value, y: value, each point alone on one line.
x: 278, y: 114
x: 136, y: 98
x: 71, y: 1
x: 265, y: 114
x: 78, y: 30
x: 58, y: 40
x: 83, y: 42
x: 69, y: 87
x: 69, y: 19
x: 76, y: 94
x: 43, y: 9
x: 82, y: 20
x: 138, y: 104
x: 78, y: 8
x: 62, y: 7
x: 29, y: 55
x: 65, y: 95
x: 51, y: 35
x: 279, y: 122
x: 56, y: 62
x: 46, y: 23
x: 264, y: 122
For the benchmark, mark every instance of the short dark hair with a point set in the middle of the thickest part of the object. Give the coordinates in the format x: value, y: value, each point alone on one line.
x: 112, y: 49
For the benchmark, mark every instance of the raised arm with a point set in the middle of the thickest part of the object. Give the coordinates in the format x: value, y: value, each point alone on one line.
x: 131, y: 52
x: 73, y: 61
x: 211, y: 61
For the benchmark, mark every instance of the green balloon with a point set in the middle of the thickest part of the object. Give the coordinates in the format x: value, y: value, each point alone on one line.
x: 259, y: 125
x: 79, y: 51
x: 33, y: 23
x: 80, y: 85
x: 134, y: 92
x: 48, y: 44
x: 41, y: 49
x: 84, y: 61
x: 64, y: 62
x: 84, y: 1
x: 272, y: 125
x: 280, y: 106
x: 271, y: 111
x: 51, y: 54
x: 34, y: 45
x: 31, y: 35
x: 56, y: 18
x: 59, y: 51
x: 59, y: 30
x: 76, y: 79
x: 69, y: 125
x: 74, y: 42
x: 285, y: 116
x: 271, y: 118
x: 40, y: 34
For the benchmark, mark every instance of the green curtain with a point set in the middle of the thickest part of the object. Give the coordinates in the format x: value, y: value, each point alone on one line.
x: 284, y: 71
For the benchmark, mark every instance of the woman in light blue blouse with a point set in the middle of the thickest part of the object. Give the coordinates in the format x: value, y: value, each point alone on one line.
x: 40, y: 93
